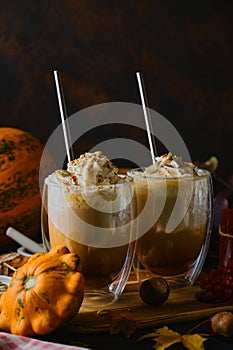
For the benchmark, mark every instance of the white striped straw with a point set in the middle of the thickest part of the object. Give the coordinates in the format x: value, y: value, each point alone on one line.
x: 64, y: 118
x: 143, y: 95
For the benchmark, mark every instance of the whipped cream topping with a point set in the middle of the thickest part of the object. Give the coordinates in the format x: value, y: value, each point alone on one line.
x: 171, y: 166
x: 89, y: 169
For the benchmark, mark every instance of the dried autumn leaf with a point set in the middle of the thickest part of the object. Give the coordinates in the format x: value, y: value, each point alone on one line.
x: 193, y: 341
x: 123, y: 323
x: 165, y: 337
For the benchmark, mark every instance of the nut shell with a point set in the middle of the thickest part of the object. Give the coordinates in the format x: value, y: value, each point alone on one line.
x: 154, y: 291
x: 222, y: 323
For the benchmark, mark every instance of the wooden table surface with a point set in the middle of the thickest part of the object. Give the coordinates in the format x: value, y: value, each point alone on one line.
x: 181, y: 312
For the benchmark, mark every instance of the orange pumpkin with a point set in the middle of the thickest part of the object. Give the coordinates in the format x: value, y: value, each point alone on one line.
x: 20, y: 198
x: 43, y: 294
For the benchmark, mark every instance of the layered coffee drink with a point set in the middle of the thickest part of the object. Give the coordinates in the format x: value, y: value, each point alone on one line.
x: 90, y: 211
x: 174, y: 209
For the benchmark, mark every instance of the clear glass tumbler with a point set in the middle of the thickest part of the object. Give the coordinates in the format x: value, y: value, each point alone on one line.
x: 174, y: 223
x: 96, y: 222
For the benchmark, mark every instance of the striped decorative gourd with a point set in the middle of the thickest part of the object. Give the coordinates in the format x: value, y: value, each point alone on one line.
x: 20, y: 199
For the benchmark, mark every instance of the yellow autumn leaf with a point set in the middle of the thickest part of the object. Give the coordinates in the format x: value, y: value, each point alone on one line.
x: 165, y: 337
x: 193, y: 342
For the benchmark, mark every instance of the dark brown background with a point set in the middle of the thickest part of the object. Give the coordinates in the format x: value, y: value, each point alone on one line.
x: 183, y: 48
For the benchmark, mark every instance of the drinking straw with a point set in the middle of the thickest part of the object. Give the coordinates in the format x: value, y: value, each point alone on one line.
x: 63, y: 113
x: 25, y: 241
x: 143, y: 95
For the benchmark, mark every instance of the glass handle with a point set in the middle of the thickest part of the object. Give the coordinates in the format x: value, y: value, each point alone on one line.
x: 44, y: 220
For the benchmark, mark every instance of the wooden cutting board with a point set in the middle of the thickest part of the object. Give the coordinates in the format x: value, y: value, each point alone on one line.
x: 181, y: 306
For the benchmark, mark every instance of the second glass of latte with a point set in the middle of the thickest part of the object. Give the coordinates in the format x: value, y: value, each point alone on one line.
x: 174, y: 220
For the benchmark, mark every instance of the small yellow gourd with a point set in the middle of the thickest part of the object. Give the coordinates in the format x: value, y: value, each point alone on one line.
x: 43, y: 294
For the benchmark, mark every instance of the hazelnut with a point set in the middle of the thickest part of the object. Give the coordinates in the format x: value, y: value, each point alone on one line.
x: 222, y: 323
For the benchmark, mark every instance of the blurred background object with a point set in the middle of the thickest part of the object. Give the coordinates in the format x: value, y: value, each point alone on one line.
x: 184, y: 50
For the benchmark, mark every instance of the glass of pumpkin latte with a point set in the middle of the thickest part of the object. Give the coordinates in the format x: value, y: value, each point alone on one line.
x: 90, y: 209
x: 174, y: 218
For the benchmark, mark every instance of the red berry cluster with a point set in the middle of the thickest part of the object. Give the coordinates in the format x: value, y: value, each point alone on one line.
x: 218, y: 285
